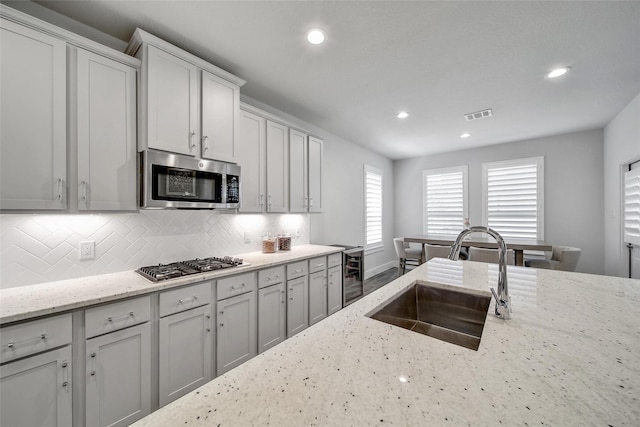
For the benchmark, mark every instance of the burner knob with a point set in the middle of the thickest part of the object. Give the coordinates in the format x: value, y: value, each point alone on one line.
x: 237, y: 261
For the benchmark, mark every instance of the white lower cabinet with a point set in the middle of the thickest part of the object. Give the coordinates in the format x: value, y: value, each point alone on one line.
x: 317, y: 296
x: 118, y: 363
x: 334, y: 289
x: 271, y: 316
x: 185, y: 352
x: 237, y: 325
x: 36, y: 391
x: 297, y: 305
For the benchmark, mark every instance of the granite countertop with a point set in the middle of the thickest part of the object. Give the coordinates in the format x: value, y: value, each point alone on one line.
x: 569, y: 356
x: 26, y: 302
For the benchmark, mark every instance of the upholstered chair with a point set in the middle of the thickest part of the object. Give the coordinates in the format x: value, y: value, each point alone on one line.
x: 563, y: 258
x: 406, y: 255
x: 489, y: 255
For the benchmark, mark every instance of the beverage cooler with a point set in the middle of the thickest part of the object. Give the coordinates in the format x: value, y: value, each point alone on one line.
x: 352, y: 273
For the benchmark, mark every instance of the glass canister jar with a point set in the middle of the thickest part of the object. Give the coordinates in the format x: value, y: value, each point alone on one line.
x: 269, y: 244
x: 284, y: 242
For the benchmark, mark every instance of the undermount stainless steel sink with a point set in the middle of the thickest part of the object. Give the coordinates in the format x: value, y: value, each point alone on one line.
x: 456, y: 316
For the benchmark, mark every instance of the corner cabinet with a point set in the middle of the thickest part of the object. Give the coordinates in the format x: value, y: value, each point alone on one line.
x: 305, y: 164
x: 105, y: 119
x: 187, y: 106
x: 33, y: 135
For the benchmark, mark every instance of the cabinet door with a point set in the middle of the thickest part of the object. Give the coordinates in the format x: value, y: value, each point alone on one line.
x: 271, y: 316
x: 106, y: 125
x: 298, y: 170
x: 33, y: 135
x: 172, y: 103
x: 237, y: 341
x: 220, y: 108
x: 317, y: 296
x: 297, y: 305
x: 334, y: 289
x: 36, y: 391
x: 315, y: 174
x: 118, y: 377
x: 251, y: 145
x: 185, y: 352
x: 277, y: 170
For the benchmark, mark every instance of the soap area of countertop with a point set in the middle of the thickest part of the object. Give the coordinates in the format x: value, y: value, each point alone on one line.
x: 569, y: 357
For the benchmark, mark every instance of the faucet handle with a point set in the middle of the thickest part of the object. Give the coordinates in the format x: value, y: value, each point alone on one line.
x: 503, y: 308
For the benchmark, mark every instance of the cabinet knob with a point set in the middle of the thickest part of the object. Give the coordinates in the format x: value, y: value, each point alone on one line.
x: 64, y: 364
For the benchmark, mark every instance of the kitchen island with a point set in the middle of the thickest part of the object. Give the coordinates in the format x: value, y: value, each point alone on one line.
x: 569, y: 356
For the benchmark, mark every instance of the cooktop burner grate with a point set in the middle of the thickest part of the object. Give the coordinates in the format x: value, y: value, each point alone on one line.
x: 159, y: 272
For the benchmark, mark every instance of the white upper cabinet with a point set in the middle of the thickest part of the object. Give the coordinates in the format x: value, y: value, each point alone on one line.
x: 298, y: 170
x: 106, y: 133
x: 305, y: 165
x: 250, y: 148
x: 277, y: 172
x: 33, y: 136
x: 314, y: 183
x: 187, y: 105
x: 220, y: 111
x: 172, y: 115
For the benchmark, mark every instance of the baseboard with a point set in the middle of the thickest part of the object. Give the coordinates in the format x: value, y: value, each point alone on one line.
x: 379, y: 269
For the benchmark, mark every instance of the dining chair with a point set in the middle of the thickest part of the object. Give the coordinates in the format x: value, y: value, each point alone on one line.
x: 563, y: 258
x: 435, y: 251
x: 406, y: 255
x: 489, y: 255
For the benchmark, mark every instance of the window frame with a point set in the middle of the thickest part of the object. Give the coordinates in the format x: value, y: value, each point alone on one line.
x: 377, y: 244
x: 539, y: 163
x: 464, y: 169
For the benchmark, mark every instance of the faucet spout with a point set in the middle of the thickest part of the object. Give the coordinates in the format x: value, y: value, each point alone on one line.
x: 503, y: 301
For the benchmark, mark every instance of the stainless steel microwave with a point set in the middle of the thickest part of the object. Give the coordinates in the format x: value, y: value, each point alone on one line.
x: 175, y: 181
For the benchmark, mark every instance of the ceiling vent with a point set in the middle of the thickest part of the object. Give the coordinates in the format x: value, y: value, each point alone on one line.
x: 478, y: 115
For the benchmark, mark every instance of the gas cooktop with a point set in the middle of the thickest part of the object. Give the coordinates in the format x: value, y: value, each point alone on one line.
x: 159, y: 272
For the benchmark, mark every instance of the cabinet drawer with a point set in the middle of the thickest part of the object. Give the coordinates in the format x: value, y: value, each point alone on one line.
x: 35, y: 336
x: 235, y: 285
x: 119, y: 315
x: 297, y: 269
x: 334, y: 260
x: 317, y: 264
x: 270, y: 276
x: 181, y: 299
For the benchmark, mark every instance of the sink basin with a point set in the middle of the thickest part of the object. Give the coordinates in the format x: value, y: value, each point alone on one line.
x: 449, y: 314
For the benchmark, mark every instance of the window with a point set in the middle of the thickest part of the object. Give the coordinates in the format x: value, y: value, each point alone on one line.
x: 373, y: 206
x: 632, y: 206
x: 444, y: 199
x: 513, y: 195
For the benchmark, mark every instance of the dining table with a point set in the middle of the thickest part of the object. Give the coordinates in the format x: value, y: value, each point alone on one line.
x: 518, y: 245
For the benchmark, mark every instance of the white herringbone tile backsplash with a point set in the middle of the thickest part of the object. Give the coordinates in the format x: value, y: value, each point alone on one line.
x: 43, y: 248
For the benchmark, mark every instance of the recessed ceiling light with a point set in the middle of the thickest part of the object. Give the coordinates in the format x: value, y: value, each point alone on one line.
x: 402, y: 115
x: 465, y: 135
x: 557, y: 72
x: 316, y: 36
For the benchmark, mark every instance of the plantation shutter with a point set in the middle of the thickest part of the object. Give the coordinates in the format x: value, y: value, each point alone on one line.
x: 632, y: 206
x: 513, y: 198
x: 373, y: 204
x: 444, y: 200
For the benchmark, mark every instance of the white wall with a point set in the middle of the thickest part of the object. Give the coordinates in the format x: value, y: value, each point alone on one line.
x: 342, y: 219
x: 621, y: 146
x: 573, y: 189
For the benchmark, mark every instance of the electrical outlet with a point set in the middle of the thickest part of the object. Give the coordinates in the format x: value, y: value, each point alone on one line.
x: 247, y: 237
x: 88, y: 249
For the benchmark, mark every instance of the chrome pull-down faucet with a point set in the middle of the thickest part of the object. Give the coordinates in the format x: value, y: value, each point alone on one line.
x: 503, y: 301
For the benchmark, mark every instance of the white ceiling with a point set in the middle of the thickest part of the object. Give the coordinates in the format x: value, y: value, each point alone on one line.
x: 436, y: 59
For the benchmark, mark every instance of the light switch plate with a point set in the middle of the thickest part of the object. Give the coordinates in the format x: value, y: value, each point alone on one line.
x: 88, y: 249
